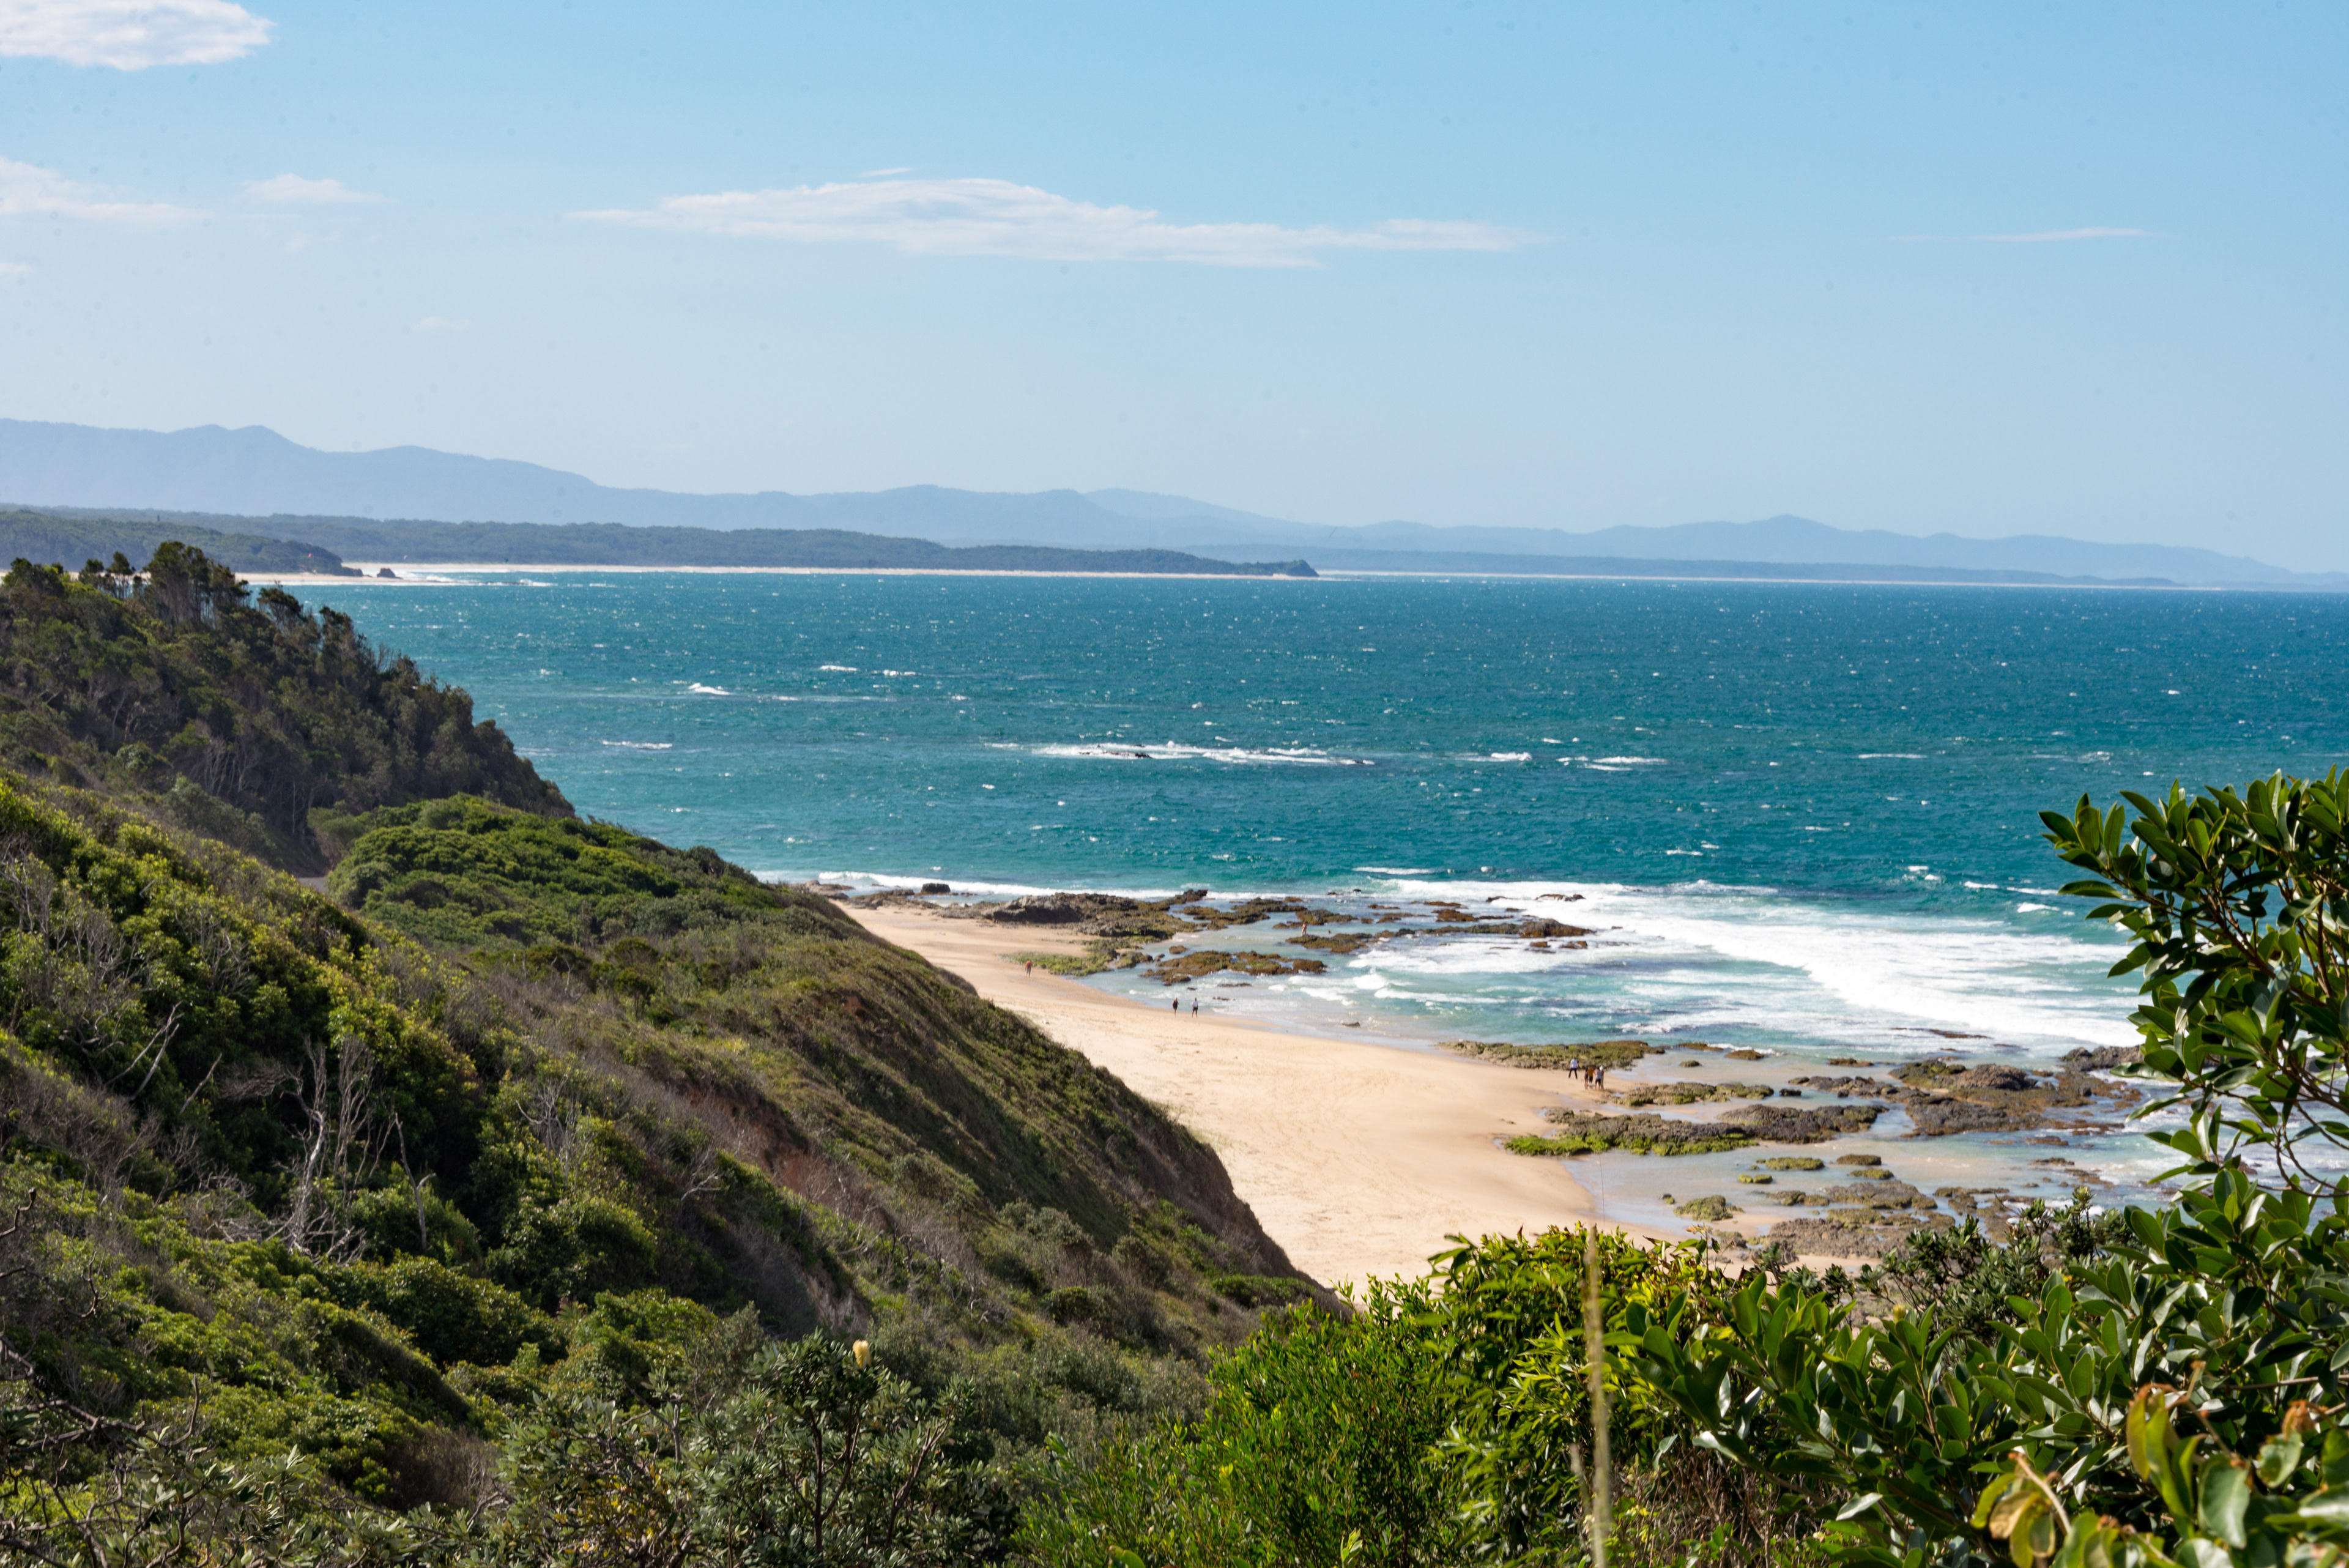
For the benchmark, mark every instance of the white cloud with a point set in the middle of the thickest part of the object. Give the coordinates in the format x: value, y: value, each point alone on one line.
x: 998, y: 218
x: 130, y: 35
x: 292, y: 188
x: 441, y: 324
x: 28, y: 189
x: 882, y: 174
x: 15, y: 269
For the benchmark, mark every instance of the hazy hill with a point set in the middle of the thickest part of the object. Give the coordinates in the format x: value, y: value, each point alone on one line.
x: 255, y: 473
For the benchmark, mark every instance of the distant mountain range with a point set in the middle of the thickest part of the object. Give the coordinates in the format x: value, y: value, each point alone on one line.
x: 266, y: 482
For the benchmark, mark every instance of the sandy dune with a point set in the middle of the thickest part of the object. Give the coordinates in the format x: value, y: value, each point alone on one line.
x: 1358, y: 1159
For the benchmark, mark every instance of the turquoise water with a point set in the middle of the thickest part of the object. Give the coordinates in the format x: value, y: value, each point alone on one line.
x: 1804, y: 817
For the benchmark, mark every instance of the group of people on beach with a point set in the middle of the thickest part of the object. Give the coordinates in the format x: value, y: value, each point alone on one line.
x: 1177, y: 1004
x: 1592, y: 1072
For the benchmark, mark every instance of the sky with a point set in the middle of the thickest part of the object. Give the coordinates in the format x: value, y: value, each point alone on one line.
x: 1990, y: 269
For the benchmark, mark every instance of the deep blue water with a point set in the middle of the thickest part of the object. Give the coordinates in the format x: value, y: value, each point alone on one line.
x: 1822, y: 738
x: 1807, y: 816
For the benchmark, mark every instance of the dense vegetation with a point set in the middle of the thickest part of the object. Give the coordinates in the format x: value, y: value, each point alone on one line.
x: 526, y: 1212
x: 53, y: 535
x: 73, y: 535
x: 172, y: 688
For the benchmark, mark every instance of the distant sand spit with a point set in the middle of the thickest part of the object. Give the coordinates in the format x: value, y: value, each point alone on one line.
x: 1359, y: 1160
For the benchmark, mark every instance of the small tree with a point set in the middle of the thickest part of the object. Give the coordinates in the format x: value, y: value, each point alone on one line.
x: 2239, y: 907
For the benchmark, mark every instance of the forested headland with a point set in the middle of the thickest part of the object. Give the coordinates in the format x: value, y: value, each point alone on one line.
x: 540, y: 1193
x: 321, y: 544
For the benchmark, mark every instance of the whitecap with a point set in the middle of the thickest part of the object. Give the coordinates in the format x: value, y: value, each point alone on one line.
x: 710, y: 690
x: 1630, y: 761
x: 839, y: 668
x: 640, y: 745
x: 1173, y: 750
x: 1510, y: 757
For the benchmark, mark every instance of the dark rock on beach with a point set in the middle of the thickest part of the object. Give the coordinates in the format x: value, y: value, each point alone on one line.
x: 1851, y: 1232
x: 1812, y: 1123
x: 2103, y: 1059
x: 1060, y: 908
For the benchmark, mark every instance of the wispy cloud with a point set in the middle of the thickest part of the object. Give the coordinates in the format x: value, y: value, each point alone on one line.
x: 879, y: 174
x: 15, y: 269
x: 998, y: 218
x: 130, y: 35
x: 29, y: 190
x: 2048, y: 235
x: 441, y: 324
x: 292, y: 189
x: 2045, y: 237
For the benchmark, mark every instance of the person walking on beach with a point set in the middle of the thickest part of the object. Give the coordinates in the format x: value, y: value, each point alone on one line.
x: 1177, y: 1004
x: 1031, y: 966
x: 1194, y: 1007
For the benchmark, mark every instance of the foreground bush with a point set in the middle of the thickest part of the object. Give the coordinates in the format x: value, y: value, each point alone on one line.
x: 1445, y: 1421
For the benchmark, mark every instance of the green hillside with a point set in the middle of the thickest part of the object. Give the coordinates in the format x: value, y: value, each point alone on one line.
x: 236, y: 717
x: 538, y: 1180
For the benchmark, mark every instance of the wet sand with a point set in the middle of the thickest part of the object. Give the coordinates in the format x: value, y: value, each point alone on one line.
x: 1359, y: 1160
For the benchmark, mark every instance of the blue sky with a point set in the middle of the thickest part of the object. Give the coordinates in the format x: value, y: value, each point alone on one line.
x: 1991, y: 269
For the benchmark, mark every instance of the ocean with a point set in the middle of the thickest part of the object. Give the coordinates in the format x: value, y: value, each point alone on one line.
x: 1801, y: 818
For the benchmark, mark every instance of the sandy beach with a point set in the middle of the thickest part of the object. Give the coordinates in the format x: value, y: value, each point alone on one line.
x: 1358, y: 1159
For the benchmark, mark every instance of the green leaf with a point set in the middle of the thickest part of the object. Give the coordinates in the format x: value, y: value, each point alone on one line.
x: 2226, y: 1494
x: 2279, y: 1456
x: 2328, y: 1507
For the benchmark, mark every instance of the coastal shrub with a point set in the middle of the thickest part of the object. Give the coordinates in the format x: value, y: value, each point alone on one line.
x: 813, y: 1457
x: 453, y: 1316
x: 1312, y: 1450
x: 1438, y: 1422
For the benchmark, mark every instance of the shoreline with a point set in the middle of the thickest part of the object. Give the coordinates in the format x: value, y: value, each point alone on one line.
x: 1359, y: 1158
x: 366, y: 570
x: 1332, y: 574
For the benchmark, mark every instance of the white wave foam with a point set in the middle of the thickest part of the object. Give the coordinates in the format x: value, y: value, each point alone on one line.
x: 1510, y: 757
x: 839, y: 668
x: 1796, y: 969
x: 1630, y: 761
x: 710, y: 690
x: 1899, y: 756
x: 640, y: 745
x: 1175, y: 751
